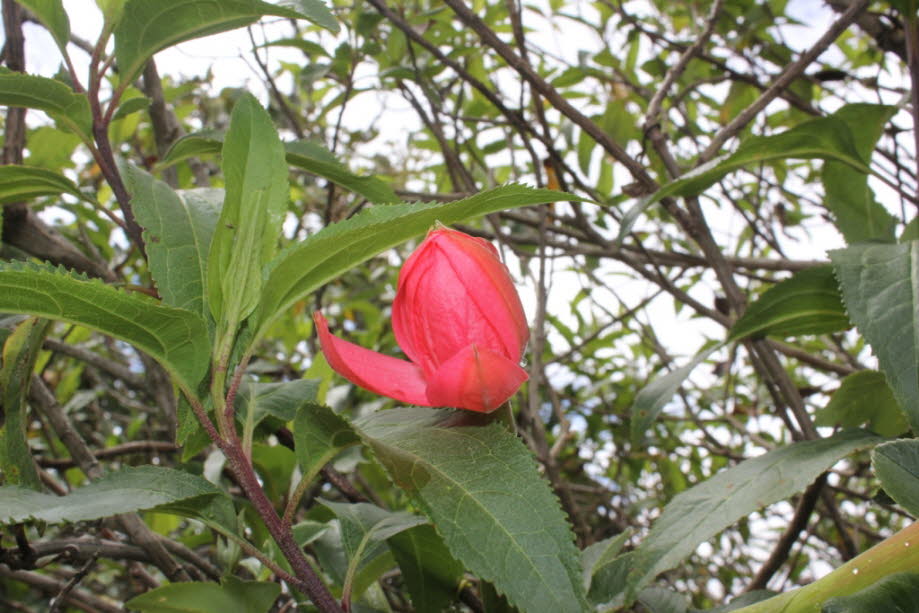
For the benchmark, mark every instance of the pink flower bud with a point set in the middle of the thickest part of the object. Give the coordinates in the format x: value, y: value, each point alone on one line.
x: 457, y: 317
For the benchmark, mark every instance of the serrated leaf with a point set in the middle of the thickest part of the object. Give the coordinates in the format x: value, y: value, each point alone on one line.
x: 21, y: 183
x: 897, y: 593
x: 896, y: 464
x: 67, y: 108
x: 126, y: 491
x: 696, y: 515
x: 598, y: 555
x: 247, y: 233
x: 430, y: 573
x: 650, y: 401
x: 319, y: 434
x: 826, y: 138
x: 807, y: 303
x: 482, y: 491
x: 52, y: 15
x: 177, y: 230
x: 307, y: 265
x: 864, y: 397
x: 880, y: 288
x: 856, y: 212
x: 307, y: 155
x: 177, y: 338
x: 231, y: 596
x: 148, y: 26
x: 20, y: 351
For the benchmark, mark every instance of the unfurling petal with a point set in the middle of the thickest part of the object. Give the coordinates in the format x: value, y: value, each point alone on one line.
x: 475, y: 378
x: 373, y: 371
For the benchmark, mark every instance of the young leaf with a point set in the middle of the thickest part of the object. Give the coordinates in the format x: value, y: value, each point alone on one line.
x: 231, y: 596
x: 125, y: 491
x: 177, y: 231
x: 827, y: 138
x: 864, y: 397
x: 897, y: 466
x: 280, y: 400
x: 319, y: 434
x: 19, y: 354
x: 309, y: 264
x: 698, y: 514
x: 21, y: 183
x: 856, y: 213
x: 52, y: 15
x: 899, y: 592
x: 175, y: 337
x: 67, y: 108
x: 249, y: 227
x: 430, y: 573
x: 880, y: 287
x: 807, y: 303
x: 148, y: 26
x: 481, y: 489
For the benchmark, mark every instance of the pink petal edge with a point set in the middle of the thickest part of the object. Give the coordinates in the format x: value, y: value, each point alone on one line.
x: 476, y: 379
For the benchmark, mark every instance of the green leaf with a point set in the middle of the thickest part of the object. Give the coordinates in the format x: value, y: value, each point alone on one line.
x: 20, y: 351
x: 430, y: 573
x: 696, y: 515
x: 175, y: 337
x: 864, y: 397
x: 52, y: 15
x: 482, y: 491
x: 662, y: 600
x: 651, y: 399
x: 897, y: 593
x: 67, y: 108
x: 280, y: 400
x: 177, y: 230
x: 131, y: 106
x: 596, y: 556
x: 880, y: 288
x: 231, y: 596
x: 307, y: 155
x: 125, y: 491
x: 896, y: 464
x: 319, y: 434
x: 309, y: 264
x: 855, y: 211
x: 21, y: 183
x: 315, y: 159
x: 827, y: 138
x: 148, y: 26
x: 249, y: 227
x: 807, y: 303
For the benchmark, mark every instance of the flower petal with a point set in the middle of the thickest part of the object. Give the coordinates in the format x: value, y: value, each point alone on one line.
x: 475, y: 378
x: 372, y: 371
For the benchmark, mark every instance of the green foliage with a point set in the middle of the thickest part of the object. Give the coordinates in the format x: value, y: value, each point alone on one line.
x: 67, y: 108
x: 864, y: 398
x: 431, y: 573
x: 895, y: 593
x: 897, y: 466
x: 231, y: 596
x: 480, y: 488
x: 807, y: 303
x: 319, y: 434
x: 21, y: 183
x: 52, y: 14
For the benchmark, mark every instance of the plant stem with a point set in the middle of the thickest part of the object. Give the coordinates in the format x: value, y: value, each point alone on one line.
x: 912, y: 57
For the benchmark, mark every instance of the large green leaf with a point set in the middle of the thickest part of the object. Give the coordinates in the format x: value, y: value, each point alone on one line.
x: 880, y: 287
x: 148, y: 26
x: 21, y: 183
x: 897, y: 593
x: 896, y: 464
x: 309, y: 156
x: 319, y: 434
x: 807, y: 303
x: 864, y: 397
x: 855, y: 211
x: 177, y: 231
x: 696, y: 515
x: 430, y: 573
x: 53, y: 16
x: 20, y: 350
x: 231, y: 596
x: 307, y: 265
x: 175, y: 337
x: 482, y: 490
x: 125, y: 491
x: 827, y: 138
x: 67, y: 108
x: 249, y: 228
